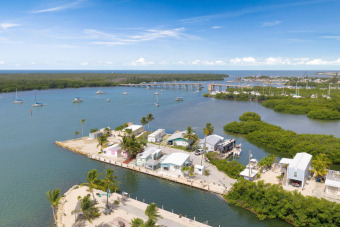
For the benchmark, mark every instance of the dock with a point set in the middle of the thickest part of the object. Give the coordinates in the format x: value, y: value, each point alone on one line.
x: 199, y: 86
x: 212, y: 86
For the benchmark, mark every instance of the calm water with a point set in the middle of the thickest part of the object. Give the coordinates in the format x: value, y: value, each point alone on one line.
x: 31, y: 164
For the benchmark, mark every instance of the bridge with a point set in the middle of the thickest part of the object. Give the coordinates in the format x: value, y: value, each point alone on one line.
x: 165, y: 85
x: 211, y: 87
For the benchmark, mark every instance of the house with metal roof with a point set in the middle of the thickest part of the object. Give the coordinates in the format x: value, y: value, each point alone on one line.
x: 211, y: 142
x: 332, y: 183
x: 177, y: 139
x: 175, y: 161
x: 150, y: 153
x: 298, y: 169
x: 156, y: 136
x: 135, y: 129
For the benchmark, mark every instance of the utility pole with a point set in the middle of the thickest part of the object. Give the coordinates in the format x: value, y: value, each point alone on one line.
x: 249, y: 163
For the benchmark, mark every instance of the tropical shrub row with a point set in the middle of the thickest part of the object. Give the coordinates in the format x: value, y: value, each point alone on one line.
x: 231, y: 168
x: 287, y: 142
x: 272, y: 201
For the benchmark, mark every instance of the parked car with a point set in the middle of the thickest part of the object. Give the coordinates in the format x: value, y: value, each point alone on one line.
x: 198, y: 152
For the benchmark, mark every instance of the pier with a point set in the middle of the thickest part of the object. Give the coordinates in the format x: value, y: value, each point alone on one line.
x: 212, y: 86
x: 199, y: 86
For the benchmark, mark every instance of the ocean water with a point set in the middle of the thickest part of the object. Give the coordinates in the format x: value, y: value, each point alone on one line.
x: 31, y: 164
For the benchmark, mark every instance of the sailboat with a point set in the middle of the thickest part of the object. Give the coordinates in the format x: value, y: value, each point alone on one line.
x: 17, y: 100
x: 36, y: 104
x: 107, y: 100
x: 157, y: 104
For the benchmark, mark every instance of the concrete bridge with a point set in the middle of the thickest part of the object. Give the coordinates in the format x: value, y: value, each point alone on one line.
x: 212, y: 86
x: 165, y: 85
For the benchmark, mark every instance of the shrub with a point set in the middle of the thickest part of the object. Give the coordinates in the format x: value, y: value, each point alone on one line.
x: 250, y: 116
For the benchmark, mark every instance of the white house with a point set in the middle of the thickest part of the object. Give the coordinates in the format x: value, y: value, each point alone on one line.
x: 198, y: 169
x: 178, y: 139
x: 135, y: 129
x: 332, y: 183
x: 249, y: 174
x: 94, y: 135
x: 115, y: 151
x: 156, y: 136
x: 298, y: 169
x: 175, y: 161
x: 149, y: 153
x: 211, y: 142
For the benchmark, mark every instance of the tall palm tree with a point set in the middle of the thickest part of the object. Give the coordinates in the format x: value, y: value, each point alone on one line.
x: 92, y: 180
x: 149, y: 118
x: 190, y: 135
x: 144, y: 121
x: 130, y: 145
x: 320, y: 165
x: 107, y: 131
x: 82, y: 126
x: 101, y: 141
x: 137, y: 222
x: 152, y: 212
x: 88, y: 208
x: 208, y: 130
x: 53, y: 198
x: 76, y: 133
x: 110, y: 183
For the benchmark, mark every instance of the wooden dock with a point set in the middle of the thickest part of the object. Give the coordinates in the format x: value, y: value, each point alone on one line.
x: 212, y: 86
x: 199, y: 86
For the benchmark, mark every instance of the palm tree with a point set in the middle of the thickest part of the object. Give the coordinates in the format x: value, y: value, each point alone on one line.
x: 149, y: 118
x: 92, y: 180
x: 110, y: 183
x: 130, y: 145
x: 137, y: 222
x: 88, y: 208
x: 107, y: 131
x: 152, y: 212
x: 82, y: 126
x: 76, y: 133
x: 144, y: 121
x: 190, y: 135
x: 53, y: 198
x: 320, y: 165
x: 101, y: 141
x: 208, y: 130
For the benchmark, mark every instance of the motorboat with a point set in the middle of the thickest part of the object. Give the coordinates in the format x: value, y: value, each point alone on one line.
x: 77, y: 100
x: 125, y: 93
x: 99, y: 92
x: 108, y: 100
x: 179, y: 99
x: 156, y: 93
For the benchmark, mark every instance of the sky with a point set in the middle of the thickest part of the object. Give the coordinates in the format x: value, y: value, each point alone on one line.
x: 170, y: 34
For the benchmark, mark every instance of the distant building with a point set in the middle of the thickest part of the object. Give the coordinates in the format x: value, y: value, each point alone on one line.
x: 298, y: 169
x: 135, y: 129
x: 226, y: 145
x: 156, y: 136
x: 249, y: 175
x: 152, y: 153
x: 211, y: 142
x: 178, y: 139
x: 332, y: 183
x: 94, y: 135
x: 115, y: 151
x: 198, y: 169
x: 175, y: 161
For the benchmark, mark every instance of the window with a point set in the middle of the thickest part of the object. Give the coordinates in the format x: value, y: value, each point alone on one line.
x: 295, y: 174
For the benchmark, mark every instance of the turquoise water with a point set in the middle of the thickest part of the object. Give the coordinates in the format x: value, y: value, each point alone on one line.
x: 31, y: 164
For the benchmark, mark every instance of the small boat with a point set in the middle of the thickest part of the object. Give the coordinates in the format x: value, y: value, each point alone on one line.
x: 157, y: 104
x: 179, y: 99
x: 108, y: 100
x: 125, y: 93
x: 156, y: 93
x: 147, y: 88
x: 99, y: 92
x: 37, y: 104
x: 17, y: 100
x: 161, y: 90
x: 77, y: 100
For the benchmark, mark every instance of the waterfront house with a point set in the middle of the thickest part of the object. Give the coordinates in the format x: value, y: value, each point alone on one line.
x: 211, y: 142
x: 150, y: 153
x: 332, y: 183
x: 156, y: 136
x: 226, y: 145
x: 249, y: 174
x: 175, y: 161
x: 198, y: 169
x: 95, y: 135
x: 135, y: 129
x: 115, y: 151
x: 177, y: 139
x: 298, y: 169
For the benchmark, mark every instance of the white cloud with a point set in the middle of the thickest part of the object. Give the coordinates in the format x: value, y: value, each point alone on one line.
x: 34, y: 63
x: 216, y: 27
x: 109, y: 62
x: 196, y: 62
x: 142, y: 61
x: 108, y: 39
x: 334, y: 37
x: 2, y: 62
x: 271, y: 23
x: 282, y: 61
x: 84, y: 63
x: 60, y: 8
x: 6, y: 26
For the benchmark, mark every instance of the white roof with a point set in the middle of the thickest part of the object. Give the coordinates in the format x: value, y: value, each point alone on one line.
x: 245, y: 173
x: 332, y: 183
x: 300, y: 161
x: 133, y: 127
x: 148, y: 151
x: 157, y: 132
x: 285, y: 161
x: 212, y: 139
x: 176, y: 135
x: 199, y: 167
x: 177, y: 159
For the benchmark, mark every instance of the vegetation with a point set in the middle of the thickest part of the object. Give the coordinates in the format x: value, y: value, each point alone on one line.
x: 39, y: 81
x: 281, y: 101
x: 250, y: 116
x: 149, y: 118
x: 188, y: 170
x: 231, y: 168
x: 208, y: 130
x: 287, y: 142
x: 92, y: 130
x: 132, y: 145
x: 152, y: 213
x: 76, y: 133
x: 121, y: 127
x: 190, y: 135
x: 53, y: 198
x: 268, y: 161
x: 101, y: 141
x: 109, y: 183
x: 93, y: 181
x: 82, y: 126
x: 272, y: 201
x: 88, y: 208
x: 320, y: 165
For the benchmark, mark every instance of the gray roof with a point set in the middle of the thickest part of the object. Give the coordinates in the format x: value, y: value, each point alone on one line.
x: 151, y: 162
x: 212, y: 139
x: 176, y: 135
x: 300, y: 161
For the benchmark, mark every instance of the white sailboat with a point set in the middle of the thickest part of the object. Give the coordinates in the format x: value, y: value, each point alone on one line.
x: 157, y: 104
x: 108, y: 100
x: 17, y: 100
x: 99, y: 92
x: 36, y: 104
x: 77, y: 100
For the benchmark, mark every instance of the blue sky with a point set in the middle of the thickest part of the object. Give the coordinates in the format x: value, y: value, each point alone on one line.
x: 165, y: 34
